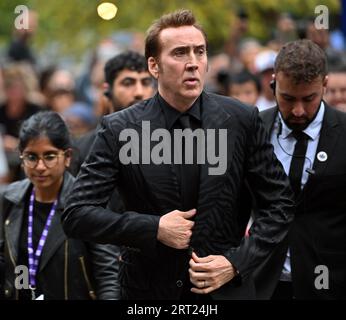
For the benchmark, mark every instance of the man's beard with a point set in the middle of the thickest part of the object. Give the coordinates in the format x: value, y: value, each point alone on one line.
x: 297, y: 126
x: 302, y: 125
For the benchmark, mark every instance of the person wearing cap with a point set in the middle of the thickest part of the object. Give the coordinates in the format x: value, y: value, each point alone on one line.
x: 79, y: 118
x: 264, y: 65
x: 309, y: 139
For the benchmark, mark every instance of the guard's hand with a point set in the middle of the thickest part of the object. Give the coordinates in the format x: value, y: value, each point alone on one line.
x: 209, y: 273
x: 175, y: 228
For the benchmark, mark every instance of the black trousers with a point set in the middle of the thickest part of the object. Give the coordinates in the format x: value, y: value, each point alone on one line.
x: 283, y: 291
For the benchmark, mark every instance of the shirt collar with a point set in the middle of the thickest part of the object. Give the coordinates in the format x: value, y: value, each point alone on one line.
x: 171, y: 114
x: 313, y: 128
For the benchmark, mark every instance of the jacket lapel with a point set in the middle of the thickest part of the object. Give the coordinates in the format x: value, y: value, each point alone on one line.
x: 56, y: 235
x: 329, y: 136
x: 213, y: 117
x: 15, y: 195
x: 13, y: 226
x: 161, y: 181
x: 55, y: 238
x: 268, y: 117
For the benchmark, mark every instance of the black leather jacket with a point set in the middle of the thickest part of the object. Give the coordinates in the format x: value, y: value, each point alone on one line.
x: 69, y: 268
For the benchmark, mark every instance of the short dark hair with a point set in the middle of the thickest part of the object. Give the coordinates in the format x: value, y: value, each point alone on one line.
x: 45, y: 124
x: 176, y: 19
x: 302, y: 61
x: 129, y: 60
x: 243, y: 77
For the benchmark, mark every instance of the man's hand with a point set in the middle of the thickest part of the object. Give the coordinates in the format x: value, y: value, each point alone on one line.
x: 209, y: 273
x: 175, y: 228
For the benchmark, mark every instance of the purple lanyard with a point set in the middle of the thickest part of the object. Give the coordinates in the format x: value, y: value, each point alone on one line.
x: 34, y: 257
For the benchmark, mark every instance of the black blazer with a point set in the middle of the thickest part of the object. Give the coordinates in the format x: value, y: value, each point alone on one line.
x: 149, y: 269
x: 80, y: 149
x: 318, y: 233
x: 69, y: 268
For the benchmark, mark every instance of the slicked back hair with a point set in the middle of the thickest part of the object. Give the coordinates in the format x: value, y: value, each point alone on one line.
x: 175, y: 19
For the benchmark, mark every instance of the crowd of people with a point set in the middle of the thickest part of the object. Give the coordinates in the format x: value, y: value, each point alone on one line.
x: 89, y: 225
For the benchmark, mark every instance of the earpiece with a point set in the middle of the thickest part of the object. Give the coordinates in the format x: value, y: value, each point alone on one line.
x: 273, y: 85
x: 107, y: 93
x: 279, y: 129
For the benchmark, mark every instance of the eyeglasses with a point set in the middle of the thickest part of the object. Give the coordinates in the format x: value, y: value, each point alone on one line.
x: 50, y: 160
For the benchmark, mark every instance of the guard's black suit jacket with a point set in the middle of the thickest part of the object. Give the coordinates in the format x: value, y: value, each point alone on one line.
x: 149, y: 269
x: 318, y: 233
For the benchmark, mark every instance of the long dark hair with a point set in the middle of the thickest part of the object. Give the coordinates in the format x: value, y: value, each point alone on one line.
x: 45, y: 124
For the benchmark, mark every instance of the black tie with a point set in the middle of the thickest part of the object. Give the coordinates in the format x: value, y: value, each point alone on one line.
x: 189, y: 184
x: 298, y: 159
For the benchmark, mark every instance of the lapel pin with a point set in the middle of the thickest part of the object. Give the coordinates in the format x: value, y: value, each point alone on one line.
x: 322, y: 156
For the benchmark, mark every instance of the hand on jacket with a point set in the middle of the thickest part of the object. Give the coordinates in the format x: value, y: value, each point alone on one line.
x: 210, y: 273
x: 175, y: 228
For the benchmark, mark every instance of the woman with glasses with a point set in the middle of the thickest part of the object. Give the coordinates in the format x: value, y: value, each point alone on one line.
x: 37, y: 260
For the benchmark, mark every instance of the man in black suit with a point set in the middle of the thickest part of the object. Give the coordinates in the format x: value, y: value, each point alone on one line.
x: 127, y: 81
x: 309, y: 139
x: 180, y: 227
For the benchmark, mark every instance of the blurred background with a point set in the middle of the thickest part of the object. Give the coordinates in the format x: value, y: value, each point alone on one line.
x: 68, y: 30
x: 57, y: 61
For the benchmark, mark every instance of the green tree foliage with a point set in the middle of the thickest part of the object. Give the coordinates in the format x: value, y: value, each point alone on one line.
x: 75, y: 25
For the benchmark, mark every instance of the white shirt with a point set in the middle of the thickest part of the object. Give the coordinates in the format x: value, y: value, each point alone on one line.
x: 3, y: 160
x: 263, y: 103
x: 284, y: 154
